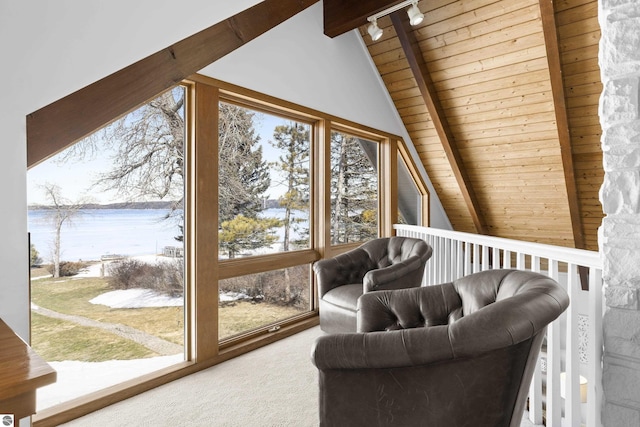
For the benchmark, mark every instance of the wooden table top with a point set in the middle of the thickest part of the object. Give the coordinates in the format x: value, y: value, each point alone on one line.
x: 21, y: 369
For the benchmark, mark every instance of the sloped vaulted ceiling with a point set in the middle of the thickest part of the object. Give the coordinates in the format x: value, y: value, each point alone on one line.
x: 500, y: 99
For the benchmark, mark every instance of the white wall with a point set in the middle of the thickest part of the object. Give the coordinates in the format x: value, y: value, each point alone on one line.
x: 51, y: 49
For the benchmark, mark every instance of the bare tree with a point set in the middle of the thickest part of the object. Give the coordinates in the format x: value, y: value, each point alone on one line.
x: 61, y: 211
x: 147, y: 147
x: 149, y: 150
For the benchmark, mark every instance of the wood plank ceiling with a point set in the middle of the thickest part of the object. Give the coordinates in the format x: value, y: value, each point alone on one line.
x: 500, y: 98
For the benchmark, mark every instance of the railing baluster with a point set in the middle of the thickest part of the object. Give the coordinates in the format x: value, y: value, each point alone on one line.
x: 535, y: 395
x: 495, y: 264
x: 467, y: 258
x: 446, y: 277
x: 476, y: 258
x: 434, y: 266
x: 535, y: 264
x: 535, y: 390
x: 460, y: 260
x: 554, y: 356
x: 520, y: 261
x: 485, y: 257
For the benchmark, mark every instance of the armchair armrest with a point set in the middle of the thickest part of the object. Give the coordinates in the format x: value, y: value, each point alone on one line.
x: 391, y: 277
x: 381, y: 349
x: 493, y: 327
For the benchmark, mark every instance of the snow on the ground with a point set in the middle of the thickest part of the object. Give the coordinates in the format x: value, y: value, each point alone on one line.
x: 136, y: 298
x: 76, y: 379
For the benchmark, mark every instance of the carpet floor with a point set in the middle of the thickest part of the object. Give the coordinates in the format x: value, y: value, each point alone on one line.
x: 276, y: 385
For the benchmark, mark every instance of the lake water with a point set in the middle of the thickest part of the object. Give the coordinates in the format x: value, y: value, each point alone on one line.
x: 97, y: 232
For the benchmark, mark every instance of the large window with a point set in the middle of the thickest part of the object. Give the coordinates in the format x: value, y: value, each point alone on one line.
x: 264, y: 204
x: 209, y: 205
x: 106, y: 221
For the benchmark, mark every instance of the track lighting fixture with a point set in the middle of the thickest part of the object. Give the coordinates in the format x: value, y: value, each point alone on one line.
x: 374, y: 31
x: 415, y: 17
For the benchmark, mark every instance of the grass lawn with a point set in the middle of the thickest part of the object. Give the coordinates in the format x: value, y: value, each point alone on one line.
x: 244, y: 316
x: 72, y: 296
x: 57, y: 340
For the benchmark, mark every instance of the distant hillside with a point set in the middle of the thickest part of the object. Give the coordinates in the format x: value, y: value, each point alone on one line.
x: 268, y: 204
x: 122, y: 205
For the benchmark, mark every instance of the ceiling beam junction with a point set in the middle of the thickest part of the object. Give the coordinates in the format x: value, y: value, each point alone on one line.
x: 341, y: 16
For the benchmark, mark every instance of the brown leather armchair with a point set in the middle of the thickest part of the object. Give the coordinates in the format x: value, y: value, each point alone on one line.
x: 384, y: 263
x: 456, y: 354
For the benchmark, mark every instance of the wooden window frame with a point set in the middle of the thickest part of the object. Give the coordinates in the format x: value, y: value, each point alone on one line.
x: 382, y: 154
x: 203, y: 348
x: 403, y: 152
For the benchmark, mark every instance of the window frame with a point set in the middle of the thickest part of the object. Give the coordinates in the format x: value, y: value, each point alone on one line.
x: 202, y: 345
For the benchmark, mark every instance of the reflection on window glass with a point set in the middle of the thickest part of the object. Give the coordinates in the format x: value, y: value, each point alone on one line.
x: 409, y: 197
x: 251, y: 301
x: 354, y: 189
x: 106, y: 224
x: 263, y: 183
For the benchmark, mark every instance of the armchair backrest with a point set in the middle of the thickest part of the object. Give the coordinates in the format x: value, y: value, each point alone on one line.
x: 509, y: 301
x: 352, y: 266
x: 386, y: 251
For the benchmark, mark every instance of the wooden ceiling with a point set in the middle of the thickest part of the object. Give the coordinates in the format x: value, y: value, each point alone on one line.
x: 500, y: 98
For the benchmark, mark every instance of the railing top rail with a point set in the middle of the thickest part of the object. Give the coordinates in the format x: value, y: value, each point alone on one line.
x: 562, y: 254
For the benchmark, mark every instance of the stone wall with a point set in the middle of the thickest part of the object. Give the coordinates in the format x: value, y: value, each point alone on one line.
x: 620, y: 197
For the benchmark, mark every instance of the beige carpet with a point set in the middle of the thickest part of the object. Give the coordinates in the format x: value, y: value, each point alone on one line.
x: 275, y: 385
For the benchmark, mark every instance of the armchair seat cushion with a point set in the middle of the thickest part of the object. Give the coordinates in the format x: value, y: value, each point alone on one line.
x: 345, y: 296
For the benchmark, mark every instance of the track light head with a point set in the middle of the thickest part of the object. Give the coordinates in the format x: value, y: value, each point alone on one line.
x: 415, y: 16
x: 374, y: 31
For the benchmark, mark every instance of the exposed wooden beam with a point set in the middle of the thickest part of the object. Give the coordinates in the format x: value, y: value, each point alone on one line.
x: 550, y: 31
x: 423, y: 79
x: 341, y: 16
x: 56, y: 126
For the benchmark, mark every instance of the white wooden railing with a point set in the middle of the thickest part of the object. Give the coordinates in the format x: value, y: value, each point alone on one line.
x: 573, y: 346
